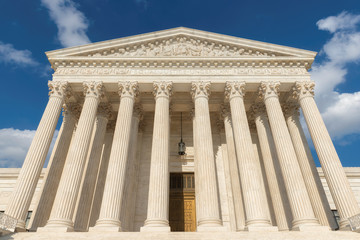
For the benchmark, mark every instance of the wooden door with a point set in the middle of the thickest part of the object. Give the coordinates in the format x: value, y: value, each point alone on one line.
x: 182, y: 211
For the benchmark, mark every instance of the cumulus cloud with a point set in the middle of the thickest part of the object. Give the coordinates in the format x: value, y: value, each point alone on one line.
x: 14, y: 144
x: 342, y: 49
x: 8, y: 54
x: 71, y: 23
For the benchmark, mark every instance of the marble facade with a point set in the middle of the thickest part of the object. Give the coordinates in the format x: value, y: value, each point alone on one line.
x: 117, y: 146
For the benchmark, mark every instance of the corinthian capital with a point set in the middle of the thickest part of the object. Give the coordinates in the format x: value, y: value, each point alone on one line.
x: 71, y: 108
x: 234, y: 89
x: 59, y: 89
x: 93, y: 89
x: 200, y: 89
x: 128, y: 89
x: 225, y: 112
x: 303, y: 89
x: 258, y: 109
x: 290, y: 109
x: 138, y: 111
x: 269, y: 89
x: 105, y: 110
x: 162, y: 89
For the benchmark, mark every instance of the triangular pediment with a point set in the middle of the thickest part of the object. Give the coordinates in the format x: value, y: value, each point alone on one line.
x: 179, y: 43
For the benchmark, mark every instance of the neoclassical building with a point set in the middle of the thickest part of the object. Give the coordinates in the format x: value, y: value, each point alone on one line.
x: 181, y: 130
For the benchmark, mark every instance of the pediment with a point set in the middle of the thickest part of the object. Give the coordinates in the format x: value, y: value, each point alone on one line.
x: 180, y: 43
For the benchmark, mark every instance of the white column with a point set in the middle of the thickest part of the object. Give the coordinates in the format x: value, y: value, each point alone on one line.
x: 158, y: 200
x: 86, y: 196
x: 198, y: 196
x: 303, y: 215
x: 209, y: 214
x: 63, y: 209
x: 21, y: 197
x: 254, y: 198
x: 101, y: 175
x: 109, y: 218
x: 128, y: 205
x: 55, y: 167
x: 341, y: 192
x: 272, y: 169
x: 234, y: 171
x: 313, y: 183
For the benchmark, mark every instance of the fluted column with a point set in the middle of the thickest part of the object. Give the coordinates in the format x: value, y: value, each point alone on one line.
x: 301, y: 208
x: 66, y: 196
x: 234, y: 171
x: 272, y: 169
x: 313, y: 183
x: 254, y: 198
x: 128, y: 204
x: 158, y: 200
x: 341, y: 192
x: 209, y: 214
x: 110, y: 211
x: 88, y: 187
x: 55, y: 167
x: 101, y: 176
x: 21, y: 197
x: 198, y: 196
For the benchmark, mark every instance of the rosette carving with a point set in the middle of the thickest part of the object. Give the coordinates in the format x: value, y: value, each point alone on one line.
x: 93, y: 89
x: 162, y: 89
x: 128, y: 89
x: 234, y: 89
x: 269, y: 89
x: 59, y: 89
x: 200, y: 89
x: 303, y: 89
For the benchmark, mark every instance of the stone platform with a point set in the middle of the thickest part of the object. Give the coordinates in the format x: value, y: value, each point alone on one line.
x: 188, y: 236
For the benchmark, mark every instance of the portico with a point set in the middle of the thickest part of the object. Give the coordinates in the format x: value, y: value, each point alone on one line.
x: 117, y: 148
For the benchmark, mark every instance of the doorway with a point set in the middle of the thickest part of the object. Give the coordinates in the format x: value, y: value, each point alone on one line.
x: 182, y: 211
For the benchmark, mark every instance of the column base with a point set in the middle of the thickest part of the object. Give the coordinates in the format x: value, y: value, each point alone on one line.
x: 20, y: 229
x: 261, y: 229
x: 344, y: 225
x: 105, y: 229
x: 155, y: 229
x: 55, y: 229
x: 211, y: 229
x: 311, y: 228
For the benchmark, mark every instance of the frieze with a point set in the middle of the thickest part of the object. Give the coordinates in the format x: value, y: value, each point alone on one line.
x: 182, y: 46
x: 178, y: 71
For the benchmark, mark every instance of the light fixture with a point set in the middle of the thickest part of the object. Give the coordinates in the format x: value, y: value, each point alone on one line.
x: 181, y: 143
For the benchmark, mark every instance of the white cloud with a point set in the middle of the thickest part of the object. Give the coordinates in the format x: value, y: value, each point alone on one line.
x: 341, y: 111
x: 342, y: 21
x: 71, y: 23
x: 14, y: 144
x: 9, y: 54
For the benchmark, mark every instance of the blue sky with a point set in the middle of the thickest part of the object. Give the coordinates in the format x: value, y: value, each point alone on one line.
x: 29, y: 28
